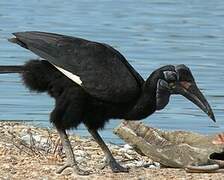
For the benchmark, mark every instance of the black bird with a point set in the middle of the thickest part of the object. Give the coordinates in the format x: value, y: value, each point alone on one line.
x: 92, y: 83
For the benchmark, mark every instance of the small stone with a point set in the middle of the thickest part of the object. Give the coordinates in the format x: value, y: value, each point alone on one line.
x: 35, y: 173
x: 152, y: 166
x: 127, y: 149
x: 7, y: 166
x: 140, y: 163
x: 80, y: 153
x: 156, y: 164
x: 6, y: 127
x: 80, y: 159
x: 127, y: 146
x: 44, y: 178
x: 26, y: 138
x: 13, y: 171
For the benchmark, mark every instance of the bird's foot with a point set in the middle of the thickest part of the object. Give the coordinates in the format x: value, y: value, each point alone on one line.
x: 75, y: 169
x: 115, y: 167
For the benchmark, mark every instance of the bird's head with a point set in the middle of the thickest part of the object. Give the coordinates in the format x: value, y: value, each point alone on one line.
x: 179, y: 80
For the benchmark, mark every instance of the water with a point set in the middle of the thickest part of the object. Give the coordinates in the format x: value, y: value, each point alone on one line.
x: 150, y: 33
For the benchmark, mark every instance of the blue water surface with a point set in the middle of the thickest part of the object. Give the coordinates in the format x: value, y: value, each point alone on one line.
x: 150, y: 33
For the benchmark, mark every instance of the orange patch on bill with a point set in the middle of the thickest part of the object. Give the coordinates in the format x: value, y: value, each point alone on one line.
x: 185, y: 84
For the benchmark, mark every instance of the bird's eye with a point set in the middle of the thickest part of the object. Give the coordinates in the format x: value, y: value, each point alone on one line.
x: 162, y: 84
x: 170, y: 76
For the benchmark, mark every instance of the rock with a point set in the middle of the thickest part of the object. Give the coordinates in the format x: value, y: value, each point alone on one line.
x: 156, y: 164
x: 35, y: 174
x: 80, y: 153
x: 26, y: 138
x: 127, y: 149
x: 127, y: 146
x: 44, y: 178
x: 172, y: 149
x: 80, y: 159
x: 152, y: 166
x: 37, y: 140
x: 13, y: 171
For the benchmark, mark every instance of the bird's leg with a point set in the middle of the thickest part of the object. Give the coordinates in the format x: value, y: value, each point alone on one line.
x: 109, y: 157
x: 71, y: 162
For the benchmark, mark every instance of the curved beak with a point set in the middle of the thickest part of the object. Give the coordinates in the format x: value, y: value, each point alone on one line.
x: 191, y: 92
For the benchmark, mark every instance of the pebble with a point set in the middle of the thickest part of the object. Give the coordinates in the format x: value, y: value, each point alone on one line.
x: 152, y: 166
x: 13, y: 171
x: 6, y: 127
x: 44, y: 178
x: 156, y: 164
x: 127, y: 146
x: 127, y: 149
x: 38, y: 140
x: 35, y: 173
x: 80, y: 153
x: 80, y: 159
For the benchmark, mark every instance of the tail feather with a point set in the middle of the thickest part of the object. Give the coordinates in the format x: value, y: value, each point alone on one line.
x: 38, y: 76
x: 11, y: 69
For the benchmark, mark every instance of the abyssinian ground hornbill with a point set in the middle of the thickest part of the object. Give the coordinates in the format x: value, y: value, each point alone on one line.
x: 92, y: 83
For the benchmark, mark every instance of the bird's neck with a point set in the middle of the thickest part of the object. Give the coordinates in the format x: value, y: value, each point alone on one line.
x: 146, y: 103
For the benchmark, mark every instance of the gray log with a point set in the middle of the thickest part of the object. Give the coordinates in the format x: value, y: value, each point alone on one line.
x: 172, y: 149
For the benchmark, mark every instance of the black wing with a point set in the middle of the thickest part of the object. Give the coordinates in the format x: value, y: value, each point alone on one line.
x: 104, y: 72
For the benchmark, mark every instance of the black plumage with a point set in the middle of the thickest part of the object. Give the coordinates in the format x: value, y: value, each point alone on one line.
x: 92, y: 83
x: 104, y: 72
x: 74, y: 105
x: 110, y: 86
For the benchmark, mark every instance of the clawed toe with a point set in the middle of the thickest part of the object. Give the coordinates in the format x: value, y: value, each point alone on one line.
x: 81, y: 172
x: 75, y: 169
x: 120, y: 169
x: 61, y: 169
x: 115, y: 167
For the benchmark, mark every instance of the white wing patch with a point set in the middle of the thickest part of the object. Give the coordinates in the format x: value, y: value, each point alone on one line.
x: 71, y: 76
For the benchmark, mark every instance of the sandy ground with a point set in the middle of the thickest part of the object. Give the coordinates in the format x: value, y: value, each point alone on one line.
x: 28, y: 152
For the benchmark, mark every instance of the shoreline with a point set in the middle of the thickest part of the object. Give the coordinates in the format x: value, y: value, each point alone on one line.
x: 29, y: 152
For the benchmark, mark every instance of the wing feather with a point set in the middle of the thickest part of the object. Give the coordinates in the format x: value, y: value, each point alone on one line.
x: 104, y: 73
